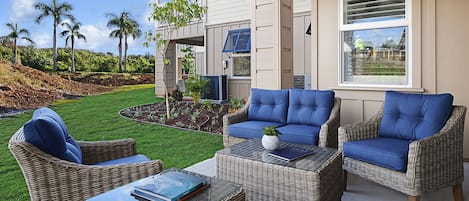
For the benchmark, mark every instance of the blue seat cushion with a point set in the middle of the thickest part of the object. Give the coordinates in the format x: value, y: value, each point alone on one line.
x: 125, y: 160
x: 268, y: 105
x: 300, y: 134
x: 309, y: 107
x: 47, y: 131
x: 414, y: 116
x: 249, y: 129
x: 389, y: 153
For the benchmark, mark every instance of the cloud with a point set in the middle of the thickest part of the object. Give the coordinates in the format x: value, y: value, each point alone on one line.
x: 22, y: 10
x: 144, y: 18
x: 97, y: 39
x: 42, y: 40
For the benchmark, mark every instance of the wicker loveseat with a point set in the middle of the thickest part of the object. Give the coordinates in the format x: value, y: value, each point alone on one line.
x: 302, y: 116
x: 413, y: 145
x: 104, y: 165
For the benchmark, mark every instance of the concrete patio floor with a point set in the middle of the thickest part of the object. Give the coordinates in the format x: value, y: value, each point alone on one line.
x: 359, y: 189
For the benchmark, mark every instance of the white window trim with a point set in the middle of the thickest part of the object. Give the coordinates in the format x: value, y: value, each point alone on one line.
x: 407, y: 22
x: 232, y: 66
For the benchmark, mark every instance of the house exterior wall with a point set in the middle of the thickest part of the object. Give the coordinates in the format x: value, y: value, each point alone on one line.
x: 228, y: 11
x: 439, y: 51
x: 216, y: 36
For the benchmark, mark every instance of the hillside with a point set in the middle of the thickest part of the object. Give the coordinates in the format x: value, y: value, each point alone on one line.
x: 22, y: 87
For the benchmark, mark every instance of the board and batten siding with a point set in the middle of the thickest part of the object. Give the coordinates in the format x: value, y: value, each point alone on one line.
x: 228, y: 11
x: 301, y: 44
x: 440, y: 62
x: 216, y: 36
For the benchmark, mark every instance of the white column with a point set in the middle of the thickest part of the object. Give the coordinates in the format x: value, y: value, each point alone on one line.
x: 272, y: 44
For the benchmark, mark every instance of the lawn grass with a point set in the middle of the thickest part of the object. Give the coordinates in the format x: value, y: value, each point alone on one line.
x: 96, y: 118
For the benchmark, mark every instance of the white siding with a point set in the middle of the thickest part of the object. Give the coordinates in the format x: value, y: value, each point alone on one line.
x: 227, y: 11
x: 301, y: 6
x: 223, y: 11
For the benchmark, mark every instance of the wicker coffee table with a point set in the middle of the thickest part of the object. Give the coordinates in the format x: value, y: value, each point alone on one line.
x: 219, y: 190
x: 315, y: 177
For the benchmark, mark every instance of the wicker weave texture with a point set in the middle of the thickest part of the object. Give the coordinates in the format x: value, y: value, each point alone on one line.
x: 264, y: 181
x: 434, y: 162
x: 50, y: 178
x: 328, y: 136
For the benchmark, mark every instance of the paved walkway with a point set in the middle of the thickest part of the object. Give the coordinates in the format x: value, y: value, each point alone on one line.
x: 359, y: 189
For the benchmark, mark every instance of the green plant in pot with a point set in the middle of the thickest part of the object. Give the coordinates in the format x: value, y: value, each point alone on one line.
x: 196, y: 86
x: 270, y: 140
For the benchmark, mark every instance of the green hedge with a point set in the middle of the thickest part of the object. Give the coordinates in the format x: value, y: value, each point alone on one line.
x: 85, y: 60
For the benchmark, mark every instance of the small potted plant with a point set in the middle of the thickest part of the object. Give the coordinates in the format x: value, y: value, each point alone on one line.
x: 270, y: 140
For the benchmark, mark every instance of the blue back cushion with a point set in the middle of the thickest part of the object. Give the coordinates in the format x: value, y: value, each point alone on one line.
x: 268, y: 105
x: 310, y: 107
x: 414, y: 116
x: 47, y: 131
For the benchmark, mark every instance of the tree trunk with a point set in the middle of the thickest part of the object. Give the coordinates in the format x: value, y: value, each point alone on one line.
x: 54, y: 67
x: 120, y: 54
x: 73, y: 55
x: 125, y: 53
x: 15, y: 52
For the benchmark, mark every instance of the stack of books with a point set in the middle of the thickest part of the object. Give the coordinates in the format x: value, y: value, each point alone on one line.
x: 171, y: 186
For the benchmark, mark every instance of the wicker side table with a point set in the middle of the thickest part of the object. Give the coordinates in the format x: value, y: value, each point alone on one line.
x: 315, y: 177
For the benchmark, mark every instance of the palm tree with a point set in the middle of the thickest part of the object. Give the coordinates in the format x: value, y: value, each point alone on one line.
x: 16, y: 34
x: 57, y: 11
x: 125, y: 26
x: 132, y: 29
x: 71, y: 32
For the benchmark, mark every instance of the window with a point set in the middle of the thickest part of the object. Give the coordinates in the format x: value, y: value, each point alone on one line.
x: 374, y: 42
x: 238, y: 41
x: 241, y: 64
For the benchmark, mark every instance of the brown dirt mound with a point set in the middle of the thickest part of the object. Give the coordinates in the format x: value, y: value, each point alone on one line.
x: 111, y: 79
x: 22, y: 87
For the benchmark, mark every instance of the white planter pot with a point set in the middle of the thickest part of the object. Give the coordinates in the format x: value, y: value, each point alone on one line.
x: 270, y: 142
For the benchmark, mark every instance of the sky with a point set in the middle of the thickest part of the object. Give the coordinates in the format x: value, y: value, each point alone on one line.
x: 92, y: 15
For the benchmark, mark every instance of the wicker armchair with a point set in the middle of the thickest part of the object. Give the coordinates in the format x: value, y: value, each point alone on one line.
x: 50, y: 178
x: 433, y: 163
x: 327, y: 135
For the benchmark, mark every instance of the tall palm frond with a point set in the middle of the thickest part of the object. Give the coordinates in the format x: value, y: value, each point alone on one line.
x: 57, y: 11
x: 125, y: 26
x: 72, y: 32
x: 14, y: 36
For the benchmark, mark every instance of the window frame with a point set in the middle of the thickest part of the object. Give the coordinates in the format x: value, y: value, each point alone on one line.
x: 232, y: 65
x: 405, y: 22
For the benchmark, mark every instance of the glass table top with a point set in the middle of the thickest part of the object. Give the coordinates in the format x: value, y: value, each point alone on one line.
x: 252, y: 149
x: 218, y: 190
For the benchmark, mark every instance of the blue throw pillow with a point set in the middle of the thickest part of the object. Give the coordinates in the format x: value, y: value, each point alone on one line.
x: 47, y: 131
x: 268, y: 105
x: 310, y: 107
x: 414, y: 116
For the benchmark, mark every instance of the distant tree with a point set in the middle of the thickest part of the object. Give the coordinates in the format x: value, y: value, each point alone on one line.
x: 57, y: 11
x: 171, y: 16
x: 71, y: 33
x: 131, y: 29
x: 125, y: 26
x: 15, y: 35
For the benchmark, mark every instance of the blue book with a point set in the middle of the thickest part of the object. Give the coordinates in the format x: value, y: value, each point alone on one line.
x: 290, y: 153
x: 170, y: 186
